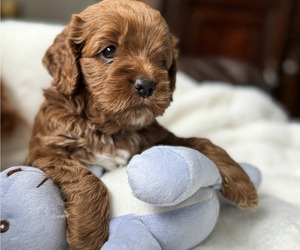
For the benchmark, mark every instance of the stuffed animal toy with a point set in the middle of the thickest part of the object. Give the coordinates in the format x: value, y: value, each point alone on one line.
x: 165, y: 199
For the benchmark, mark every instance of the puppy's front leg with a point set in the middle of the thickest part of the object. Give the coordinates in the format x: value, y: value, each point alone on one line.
x: 237, y: 185
x: 86, y: 200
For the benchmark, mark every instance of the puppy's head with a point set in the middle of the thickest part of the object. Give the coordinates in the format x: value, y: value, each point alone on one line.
x: 123, y: 54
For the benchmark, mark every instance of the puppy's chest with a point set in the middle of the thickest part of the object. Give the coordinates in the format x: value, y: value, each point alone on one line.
x: 115, y: 152
x: 111, y: 161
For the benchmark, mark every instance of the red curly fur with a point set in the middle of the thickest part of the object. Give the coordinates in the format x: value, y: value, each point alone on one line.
x: 92, y: 109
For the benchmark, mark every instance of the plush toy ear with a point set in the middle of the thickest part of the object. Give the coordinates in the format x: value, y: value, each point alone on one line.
x: 61, y: 59
x: 173, y: 69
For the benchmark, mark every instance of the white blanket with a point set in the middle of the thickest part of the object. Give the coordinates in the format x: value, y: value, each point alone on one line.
x: 253, y: 129
x: 243, y: 120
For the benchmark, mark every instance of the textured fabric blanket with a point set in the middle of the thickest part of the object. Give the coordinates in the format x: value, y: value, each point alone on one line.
x: 243, y: 120
x: 253, y: 129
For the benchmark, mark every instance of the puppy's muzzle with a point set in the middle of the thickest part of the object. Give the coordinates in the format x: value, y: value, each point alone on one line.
x: 144, y: 87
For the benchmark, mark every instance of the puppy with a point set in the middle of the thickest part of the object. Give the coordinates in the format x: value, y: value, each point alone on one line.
x: 113, y: 71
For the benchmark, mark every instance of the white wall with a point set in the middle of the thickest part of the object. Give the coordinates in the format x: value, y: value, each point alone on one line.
x: 59, y: 11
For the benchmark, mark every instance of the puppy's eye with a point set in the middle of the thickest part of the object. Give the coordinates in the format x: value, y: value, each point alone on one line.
x: 109, y: 53
x: 162, y: 64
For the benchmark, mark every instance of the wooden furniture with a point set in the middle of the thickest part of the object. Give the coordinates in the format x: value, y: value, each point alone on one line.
x: 262, y: 33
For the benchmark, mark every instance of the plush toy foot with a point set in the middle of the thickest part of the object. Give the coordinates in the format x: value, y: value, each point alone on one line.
x: 253, y: 173
x: 128, y: 232
x: 167, y: 175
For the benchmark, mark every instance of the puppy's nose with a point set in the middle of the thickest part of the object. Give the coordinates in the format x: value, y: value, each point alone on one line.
x: 144, y: 87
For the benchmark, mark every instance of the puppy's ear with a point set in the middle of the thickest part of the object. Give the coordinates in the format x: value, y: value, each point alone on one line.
x: 61, y: 59
x: 173, y: 69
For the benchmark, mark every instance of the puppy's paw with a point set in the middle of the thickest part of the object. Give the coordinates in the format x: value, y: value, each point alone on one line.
x: 87, y: 212
x: 241, y: 191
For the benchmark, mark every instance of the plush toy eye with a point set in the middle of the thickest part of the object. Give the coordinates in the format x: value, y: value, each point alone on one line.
x: 4, y: 226
x: 109, y: 53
